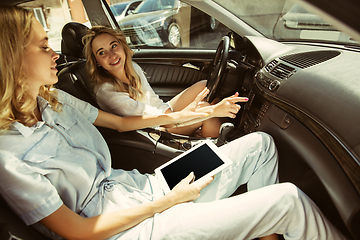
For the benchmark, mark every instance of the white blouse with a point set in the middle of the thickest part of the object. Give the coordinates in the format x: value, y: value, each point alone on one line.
x: 121, y: 104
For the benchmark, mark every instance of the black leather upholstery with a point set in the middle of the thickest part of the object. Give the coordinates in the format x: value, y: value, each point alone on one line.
x: 74, y: 79
x: 11, y: 225
x: 71, y: 43
x: 168, y: 74
x: 169, y: 80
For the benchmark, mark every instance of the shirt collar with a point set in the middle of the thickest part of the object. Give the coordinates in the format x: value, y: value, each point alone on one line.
x: 27, y: 131
x: 42, y: 103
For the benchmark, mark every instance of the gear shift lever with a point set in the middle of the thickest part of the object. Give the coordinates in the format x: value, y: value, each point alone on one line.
x: 224, y: 131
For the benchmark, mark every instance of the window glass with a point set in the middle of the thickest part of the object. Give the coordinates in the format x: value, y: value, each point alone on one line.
x: 171, y: 24
x: 286, y: 20
x: 53, y: 15
x: 146, y: 24
x: 117, y: 9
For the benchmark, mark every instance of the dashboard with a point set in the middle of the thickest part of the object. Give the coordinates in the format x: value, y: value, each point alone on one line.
x: 307, y: 96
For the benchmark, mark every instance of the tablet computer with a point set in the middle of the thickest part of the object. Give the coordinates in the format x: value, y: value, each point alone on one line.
x: 204, y: 159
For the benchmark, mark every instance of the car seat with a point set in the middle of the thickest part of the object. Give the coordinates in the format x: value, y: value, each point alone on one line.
x: 73, y: 77
x: 12, y: 227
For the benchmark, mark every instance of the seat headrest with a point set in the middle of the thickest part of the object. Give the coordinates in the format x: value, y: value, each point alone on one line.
x: 72, y: 34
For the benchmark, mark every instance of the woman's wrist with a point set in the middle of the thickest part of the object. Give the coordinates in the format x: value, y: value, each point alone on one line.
x: 208, y: 110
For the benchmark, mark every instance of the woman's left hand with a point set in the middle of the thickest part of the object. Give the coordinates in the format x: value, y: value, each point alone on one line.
x: 188, y: 190
x: 198, y: 101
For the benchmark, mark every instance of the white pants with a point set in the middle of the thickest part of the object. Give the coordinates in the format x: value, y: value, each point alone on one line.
x: 278, y: 208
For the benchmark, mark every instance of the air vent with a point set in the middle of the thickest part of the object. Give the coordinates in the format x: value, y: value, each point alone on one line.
x: 282, y: 71
x: 271, y: 65
x: 308, y: 59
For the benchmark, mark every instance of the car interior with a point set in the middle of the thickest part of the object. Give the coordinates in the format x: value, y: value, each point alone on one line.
x: 289, y: 97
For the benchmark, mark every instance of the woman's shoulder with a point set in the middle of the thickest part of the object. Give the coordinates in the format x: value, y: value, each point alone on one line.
x: 104, y: 86
x: 136, y: 66
x: 138, y: 69
x: 62, y: 96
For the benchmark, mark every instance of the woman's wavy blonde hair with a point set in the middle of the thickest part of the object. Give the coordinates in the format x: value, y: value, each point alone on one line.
x: 100, y: 75
x: 15, y: 102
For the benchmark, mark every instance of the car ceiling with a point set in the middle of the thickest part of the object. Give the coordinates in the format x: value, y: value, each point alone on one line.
x: 13, y: 2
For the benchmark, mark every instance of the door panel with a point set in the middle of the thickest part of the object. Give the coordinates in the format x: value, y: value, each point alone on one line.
x: 171, y: 71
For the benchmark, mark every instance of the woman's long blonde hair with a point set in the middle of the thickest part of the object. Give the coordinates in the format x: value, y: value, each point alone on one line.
x: 15, y: 102
x: 100, y: 75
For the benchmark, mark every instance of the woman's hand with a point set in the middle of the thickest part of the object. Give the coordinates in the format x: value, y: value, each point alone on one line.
x: 188, y: 190
x: 228, y: 107
x: 189, y: 115
x: 198, y: 100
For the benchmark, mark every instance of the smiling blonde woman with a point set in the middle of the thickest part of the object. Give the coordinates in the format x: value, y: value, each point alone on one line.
x: 121, y: 86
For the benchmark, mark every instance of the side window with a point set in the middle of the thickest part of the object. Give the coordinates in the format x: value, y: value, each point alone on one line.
x: 145, y: 23
x: 39, y: 14
x: 171, y: 24
x: 53, y: 15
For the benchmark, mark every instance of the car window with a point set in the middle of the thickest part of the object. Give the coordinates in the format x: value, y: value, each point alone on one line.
x: 171, y: 24
x: 285, y: 20
x: 134, y: 5
x: 153, y: 23
x: 155, y: 5
x: 53, y: 15
x: 117, y: 9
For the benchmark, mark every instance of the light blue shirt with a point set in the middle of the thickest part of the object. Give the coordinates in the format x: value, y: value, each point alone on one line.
x: 62, y: 160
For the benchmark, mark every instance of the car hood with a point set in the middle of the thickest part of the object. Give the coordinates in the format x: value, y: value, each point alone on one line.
x: 133, y: 19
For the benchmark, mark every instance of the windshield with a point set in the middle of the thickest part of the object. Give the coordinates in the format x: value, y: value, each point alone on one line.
x: 155, y: 5
x: 285, y: 20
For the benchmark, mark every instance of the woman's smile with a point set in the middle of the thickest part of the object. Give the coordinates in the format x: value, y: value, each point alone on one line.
x: 109, y: 54
x: 116, y: 62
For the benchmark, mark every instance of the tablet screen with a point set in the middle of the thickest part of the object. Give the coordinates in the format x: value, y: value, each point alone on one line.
x: 201, y: 162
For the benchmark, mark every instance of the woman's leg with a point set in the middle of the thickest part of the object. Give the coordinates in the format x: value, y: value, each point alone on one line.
x: 209, y: 127
x: 180, y: 101
x: 255, y: 163
x: 279, y: 208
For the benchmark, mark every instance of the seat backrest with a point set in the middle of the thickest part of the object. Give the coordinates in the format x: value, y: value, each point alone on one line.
x: 73, y: 77
x: 71, y: 43
x: 12, y: 227
x: 75, y: 80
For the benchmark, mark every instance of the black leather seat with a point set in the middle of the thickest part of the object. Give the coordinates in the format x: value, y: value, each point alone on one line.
x: 12, y: 227
x: 73, y: 77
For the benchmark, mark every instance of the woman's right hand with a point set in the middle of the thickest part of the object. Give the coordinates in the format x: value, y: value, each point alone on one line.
x: 228, y: 107
x: 189, y: 115
x: 188, y: 190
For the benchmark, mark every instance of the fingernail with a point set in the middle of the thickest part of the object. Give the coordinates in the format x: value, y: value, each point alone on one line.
x: 246, y: 99
x: 206, y: 114
x: 236, y: 93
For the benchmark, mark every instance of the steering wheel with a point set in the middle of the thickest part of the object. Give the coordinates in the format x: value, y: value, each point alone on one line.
x: 218, y: 69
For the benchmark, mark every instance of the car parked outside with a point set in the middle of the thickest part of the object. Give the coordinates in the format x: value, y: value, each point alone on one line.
x: 123, y: 9
x: 163, y: 23
x: 120, y: 10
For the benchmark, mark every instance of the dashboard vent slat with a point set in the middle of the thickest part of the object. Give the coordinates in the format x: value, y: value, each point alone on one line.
x: 282, y: 71
x: 271, y: 65
x: 308, y: 59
